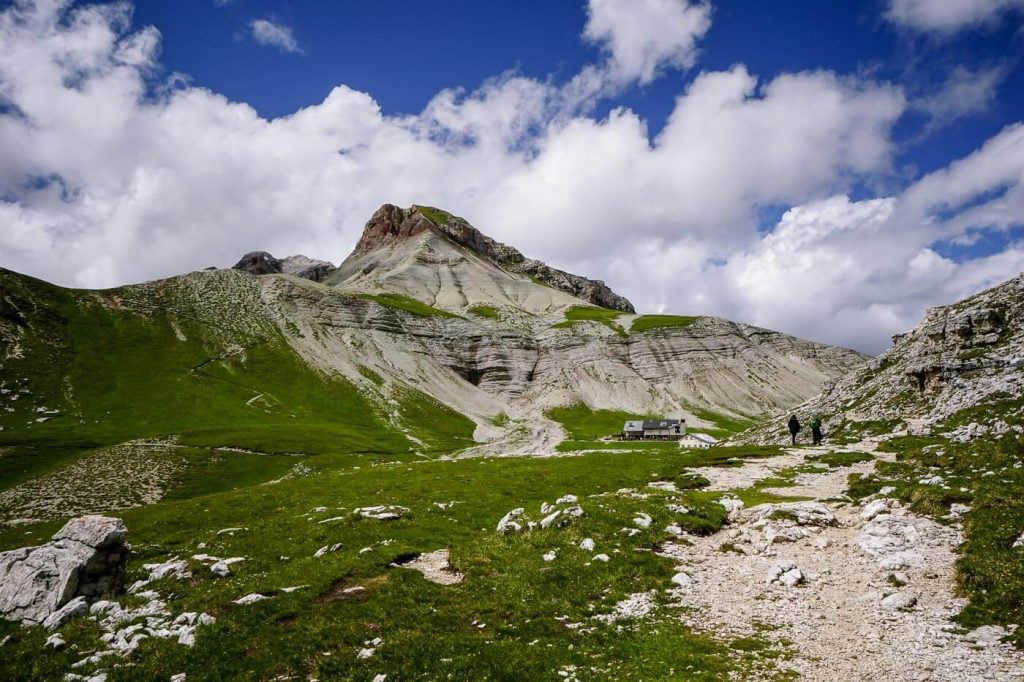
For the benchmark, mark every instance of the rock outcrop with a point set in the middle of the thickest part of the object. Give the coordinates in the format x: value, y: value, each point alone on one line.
x: 52, y: 582
x: 960, y: 356
x: 392, y: 225
x: 263, y: 263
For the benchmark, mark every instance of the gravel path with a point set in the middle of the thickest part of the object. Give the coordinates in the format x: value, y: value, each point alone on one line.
x: 838, y: 617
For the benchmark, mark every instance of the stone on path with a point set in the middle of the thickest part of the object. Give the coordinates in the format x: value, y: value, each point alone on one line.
x: 899, y: 600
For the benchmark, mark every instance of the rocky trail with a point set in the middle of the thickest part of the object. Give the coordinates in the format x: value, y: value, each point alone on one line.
x: 852, y: 592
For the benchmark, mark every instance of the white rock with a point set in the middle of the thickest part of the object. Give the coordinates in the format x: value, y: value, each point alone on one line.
x: 785, y: 574
x: 667, y: 486
x: 550, y: 518
x: 899, y: 600
x: 382, y: 512
x: 380, y: 678
x: 180, y: 677
x: 76, y: 607
x: 1019, y: 542
x: 987, y: 635
x: 508, y: 523
x: 172, y: 568
x: 780, y: 533
x: 587, y: 544
x: 250, y: 599
x: 601, y: 557
x: 550, y: 556
x: 55, y: 641
x: 86, y: 558
x: 187, y: 636
x: 222, y: 567
x: 642, y: 520
x: 435, y: 567
x: 732, y: 506
x: 791, y: 577
x: 682, y: 579
x: 230, y: 531
x: 874, y: 508
x: 325, y: 549
x: 899, y: 578
x: 567, y: 499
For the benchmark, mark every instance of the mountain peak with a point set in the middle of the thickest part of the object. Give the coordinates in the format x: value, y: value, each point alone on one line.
x: 391, y: 225
x: 263, y: 263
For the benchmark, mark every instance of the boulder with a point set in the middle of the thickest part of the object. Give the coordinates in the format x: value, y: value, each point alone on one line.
x: 86, y: 559
x: 899, y: 600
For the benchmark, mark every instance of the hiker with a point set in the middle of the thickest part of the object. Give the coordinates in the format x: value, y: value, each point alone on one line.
x: 794, y: 427
x: 816, y: 429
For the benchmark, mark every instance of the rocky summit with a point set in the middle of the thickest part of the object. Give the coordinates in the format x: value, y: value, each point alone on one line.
x: 404, y: 238
x: 346, y: 473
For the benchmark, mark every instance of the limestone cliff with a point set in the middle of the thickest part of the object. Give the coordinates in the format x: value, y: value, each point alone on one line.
x: 962, y: 355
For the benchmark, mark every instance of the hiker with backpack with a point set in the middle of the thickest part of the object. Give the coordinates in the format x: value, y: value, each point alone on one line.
x: 794, y: 427
x: 816, y: 429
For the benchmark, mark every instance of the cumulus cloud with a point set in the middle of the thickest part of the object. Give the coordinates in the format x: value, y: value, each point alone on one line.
x: 107, y: 179
x: 642, y: 36
x: 948, y: 16
x: 267, y: 32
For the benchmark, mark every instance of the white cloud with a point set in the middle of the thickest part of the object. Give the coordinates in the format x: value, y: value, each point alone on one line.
x: 266, y: 32
x: 948, y: 16
x: 642, y: 36
x: 105, y: 182
x: 965, y: 93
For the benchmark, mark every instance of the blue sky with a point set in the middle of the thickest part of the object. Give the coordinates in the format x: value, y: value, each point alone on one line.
x: 405, y: 51
x: 825, y: 168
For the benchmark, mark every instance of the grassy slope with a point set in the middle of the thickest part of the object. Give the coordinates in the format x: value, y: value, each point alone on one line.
x: 486, y: 311
x: 585, y: 313
x: 585, y: 426
x: 117, y: 375
x: 407, y: 304
x: 426, y: 628
x: 647, y: 322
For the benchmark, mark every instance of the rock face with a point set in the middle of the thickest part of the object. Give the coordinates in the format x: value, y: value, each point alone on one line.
x: 85, y: 562
x: 391, y: 226
x: 961, y: 355
x: 263, y: 263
